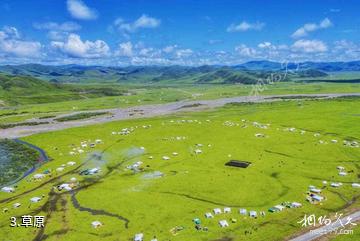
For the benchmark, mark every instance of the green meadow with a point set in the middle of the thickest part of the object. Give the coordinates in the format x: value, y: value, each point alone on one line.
x: 43, y: 105
x: 160, y: 195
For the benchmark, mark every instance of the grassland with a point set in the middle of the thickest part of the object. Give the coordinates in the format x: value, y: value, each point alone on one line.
x: 284, y: 164
x: 152, y: 94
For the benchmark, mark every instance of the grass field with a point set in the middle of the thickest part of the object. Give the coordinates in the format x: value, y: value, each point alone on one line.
x: 163, y: 194
x: 143, y: 95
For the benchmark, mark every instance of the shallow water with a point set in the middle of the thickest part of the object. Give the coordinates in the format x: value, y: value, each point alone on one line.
x: 4, y: 156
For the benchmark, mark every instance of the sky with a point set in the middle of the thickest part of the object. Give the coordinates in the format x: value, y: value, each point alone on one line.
x: 168, y: 32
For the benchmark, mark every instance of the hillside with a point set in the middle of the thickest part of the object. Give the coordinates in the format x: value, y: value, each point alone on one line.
x: 29, y: 90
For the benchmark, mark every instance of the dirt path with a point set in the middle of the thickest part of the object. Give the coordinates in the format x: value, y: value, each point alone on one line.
x: 152, y: 110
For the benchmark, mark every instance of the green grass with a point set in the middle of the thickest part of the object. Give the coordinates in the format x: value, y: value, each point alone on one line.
x: 284, y: 164
x: 153, y: 94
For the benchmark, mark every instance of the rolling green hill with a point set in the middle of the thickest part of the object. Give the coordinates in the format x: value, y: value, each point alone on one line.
x: 247, y: 73
x: 29, y: 90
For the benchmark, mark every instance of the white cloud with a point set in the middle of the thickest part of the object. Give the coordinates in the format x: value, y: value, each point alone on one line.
x: 12, y: 44
x: 309, y: 46
x: 265, y: 45
x: 169, y: 49
x: 245, y: 51
x: 311, y: 27
x: 75, y: 47
x: 245, y: 26
x: 181, y: 53
x: 125, y: 49
x: 79, y: 10
x: 143, y: 21
x: 52, y: 26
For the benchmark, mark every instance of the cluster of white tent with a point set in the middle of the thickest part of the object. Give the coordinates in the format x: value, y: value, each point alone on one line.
x: 174, y: 138
x: 128, y: 130
x: 84, y: 145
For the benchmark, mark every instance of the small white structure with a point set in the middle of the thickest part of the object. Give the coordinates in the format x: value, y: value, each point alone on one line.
x: 71, y: 163
x: 223, y: 223
x: 253, y: 214
x: 94, y: 170
x: 342, y: 173
x: 7, y: 189
x: 16, y: 205
x: 35, y: 199
x: 39, y: 176
x: 73, y: 179
x: 227, y: 210
x: 336, y: 184
x: 208, y: 215
x: 242, y: 211
x: 96, y: 224
x: 198, y: 151
x: 340, y: 168
x: 296, y: 205
x: 315, y: 190
x: 59, y: 169
x: 324, y: 182
x: 355, y: 185
x: 65, y: 186
x: 175, y: 153
x: 166, y: 158
x: 279, y: 207
x: 334, y: 141
x: 98, y: 141
x: 139, y: 237
x: 217, y: 211
x: 259, y: 135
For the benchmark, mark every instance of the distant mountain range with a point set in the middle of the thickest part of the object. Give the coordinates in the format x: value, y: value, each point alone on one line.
x: 247, y: 73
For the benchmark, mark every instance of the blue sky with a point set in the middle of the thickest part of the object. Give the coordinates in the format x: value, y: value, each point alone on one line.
x: 110, y: 32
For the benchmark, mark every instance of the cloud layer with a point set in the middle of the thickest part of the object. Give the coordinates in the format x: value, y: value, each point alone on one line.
x: 245, y: 26
x: 311, y: 27
x: 79, y: 10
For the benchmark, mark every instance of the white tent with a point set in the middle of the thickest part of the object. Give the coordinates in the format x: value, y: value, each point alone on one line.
x: 208, y: 215
x: 223, y: 223
x: 35, y: 199
x: 296, y: 205
x: 39, y: 176
x: 279, y: 207
x: 16, y: 205
x: 217, y: 210
x: 253, y: 214
x: 227, y: 210
x: 139, y: 237
x: 96, y: 224
x: 7, y: 189
x: 242, y: 211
